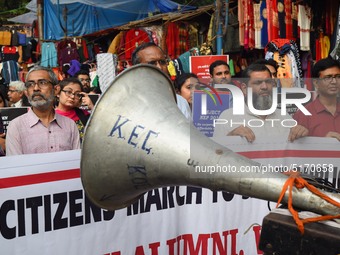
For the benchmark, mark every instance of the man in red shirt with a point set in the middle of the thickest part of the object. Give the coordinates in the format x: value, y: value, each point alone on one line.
x: 325, y: 109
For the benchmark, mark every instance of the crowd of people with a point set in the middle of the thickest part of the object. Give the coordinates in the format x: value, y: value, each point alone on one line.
x: 59, y: 110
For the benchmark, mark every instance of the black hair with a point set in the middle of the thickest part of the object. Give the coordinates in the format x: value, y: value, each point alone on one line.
x: 82, y: 72
x: 324, y: 64
x: 217, y: 63
x: 180, y: 80
x: 270, y: 62
x: 51, y: 74
x: 254, y: 68
x: 135, y: 58
x: 67, y: 81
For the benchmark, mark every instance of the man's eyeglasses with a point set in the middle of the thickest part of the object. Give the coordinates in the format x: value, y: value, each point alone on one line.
x: 161, y: 62
x: 329, y: 78
x: 41, y: 83
x: 69, y: 93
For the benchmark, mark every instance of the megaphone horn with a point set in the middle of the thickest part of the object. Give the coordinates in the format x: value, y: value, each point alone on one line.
x: 137, y: 140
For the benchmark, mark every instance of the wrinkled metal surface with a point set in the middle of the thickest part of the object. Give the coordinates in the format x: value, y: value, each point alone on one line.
x: 137, y: 140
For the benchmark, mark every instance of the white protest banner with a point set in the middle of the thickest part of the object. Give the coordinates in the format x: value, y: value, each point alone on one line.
x: 43, y: 210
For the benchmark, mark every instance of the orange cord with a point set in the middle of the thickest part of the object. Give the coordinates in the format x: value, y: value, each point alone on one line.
x: 295, y: 179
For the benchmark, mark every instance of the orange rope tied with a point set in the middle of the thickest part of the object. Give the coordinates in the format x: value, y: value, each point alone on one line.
x: 295, y: 179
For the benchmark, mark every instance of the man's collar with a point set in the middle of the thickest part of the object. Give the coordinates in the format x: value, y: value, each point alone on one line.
x: 33, y: 119
x: 319, y: 107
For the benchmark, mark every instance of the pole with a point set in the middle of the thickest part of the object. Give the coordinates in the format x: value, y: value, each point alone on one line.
x: 219, y: 34
x: 40, y: 19
x: 219, y: 39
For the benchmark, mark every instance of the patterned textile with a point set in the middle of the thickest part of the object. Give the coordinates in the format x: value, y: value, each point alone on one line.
x: 258, y: 24
x: 285, y: 52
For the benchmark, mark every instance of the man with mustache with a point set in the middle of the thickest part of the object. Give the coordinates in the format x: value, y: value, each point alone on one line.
x: 325, y: 109
x: 41, y: 130
x: 257, y: 77
x: 220, y: 72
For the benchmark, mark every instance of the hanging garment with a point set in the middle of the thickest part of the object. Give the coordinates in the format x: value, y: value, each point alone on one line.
x: 48, y: 55
x: 183, y: 38
x: 282, y: 18
x: 304, y: 23
x: 114, y: 46
x: 172, y: 38
x: 240, y: 13
x: 325, y: 45
x: 251, y: 42
x: 22, y: 38
x: 5, y: 37
x: 231, y: 41
x: 288, y: 19
x: 193, y: 36
x: 336, y: 51
x: 134, y: 38
x: 14, y: 37
x: 258, y: 25
x: 10, y: 53
x: 67, y: 50
x: 295, y: 20
x: 273, y: 20
x: 10, y: 71
x: 264, y: 21
x: 185, y: 58
x: 286, y: 54
x: 246, y: 24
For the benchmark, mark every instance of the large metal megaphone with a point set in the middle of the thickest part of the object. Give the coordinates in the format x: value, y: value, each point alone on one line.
x: 137, y: 140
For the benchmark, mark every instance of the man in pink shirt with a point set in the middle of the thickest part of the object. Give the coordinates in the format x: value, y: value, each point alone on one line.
x: 41, y: 130
x: 325, y: 109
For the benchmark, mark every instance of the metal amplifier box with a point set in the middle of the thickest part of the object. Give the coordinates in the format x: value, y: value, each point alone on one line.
x: 280, y: 236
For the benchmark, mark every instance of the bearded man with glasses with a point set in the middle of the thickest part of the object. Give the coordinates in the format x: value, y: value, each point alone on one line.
x: 325, y: 109
x: 41, y: 130
x: 252, y: 126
